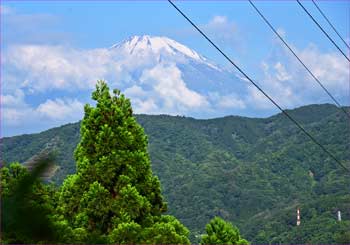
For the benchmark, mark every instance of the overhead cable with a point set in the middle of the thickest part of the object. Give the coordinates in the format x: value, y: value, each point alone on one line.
x: 297, y: 57
x: 260, y: 89
x: 329, y: 22
x: 324, y: 32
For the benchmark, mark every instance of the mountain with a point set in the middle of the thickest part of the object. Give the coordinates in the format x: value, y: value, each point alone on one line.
x: 254, y: 172
x: 177, y: 78
x: 160, y: 75
x: 160, y: 46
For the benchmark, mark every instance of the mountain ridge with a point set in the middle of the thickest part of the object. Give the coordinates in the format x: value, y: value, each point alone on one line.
x: 297, y: 109
x: 249, y: 171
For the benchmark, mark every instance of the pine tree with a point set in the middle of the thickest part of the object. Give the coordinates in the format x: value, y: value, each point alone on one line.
x: 222, y: 232
x: 114, y: 197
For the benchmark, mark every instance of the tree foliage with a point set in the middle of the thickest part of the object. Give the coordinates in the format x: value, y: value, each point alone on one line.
x: 253, y: 171
x: 218, y: 231
x: 114, y: 196
x: 26, y: 204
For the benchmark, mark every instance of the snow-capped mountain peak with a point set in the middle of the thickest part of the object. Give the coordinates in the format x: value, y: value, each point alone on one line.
x: 157, y: 45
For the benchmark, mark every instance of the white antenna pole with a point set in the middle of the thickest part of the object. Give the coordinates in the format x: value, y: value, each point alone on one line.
x: 298, y: 217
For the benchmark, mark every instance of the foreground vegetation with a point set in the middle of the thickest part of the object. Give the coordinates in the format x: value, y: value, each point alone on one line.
x: 112, y: 198
x: 252, y: 172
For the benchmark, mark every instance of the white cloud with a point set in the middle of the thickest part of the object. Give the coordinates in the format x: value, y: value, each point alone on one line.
x: 154, y: 84
x: 15, y: 100
x: 281, y: 73
x: 147, y: 106
x: 288, y: 83
x: 218, y: 20
x: 276, y: 83
x: 135, y: 91
x: 231, y: 101
x: 331, y: 68
x: 16, y: 111
x: 14, y: 117
x: 55, y: 67
x: 228, y: 101
x: 171, y: 89
x: 60, y: 109
x: 222, y: 29
x: 142, y: 101
x: 47, y: 69
x: 257, y: 99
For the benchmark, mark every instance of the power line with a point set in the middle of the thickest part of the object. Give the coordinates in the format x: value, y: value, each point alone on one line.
x: 324, y: 32
x: 260, y: 89
x: 335, y: 30
x: 296, y: 56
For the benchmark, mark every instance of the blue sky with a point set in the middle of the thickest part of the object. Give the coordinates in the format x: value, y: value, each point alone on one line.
x: 80, y: 27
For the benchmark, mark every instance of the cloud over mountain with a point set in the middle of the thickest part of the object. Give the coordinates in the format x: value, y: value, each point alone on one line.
x: 50, y: 83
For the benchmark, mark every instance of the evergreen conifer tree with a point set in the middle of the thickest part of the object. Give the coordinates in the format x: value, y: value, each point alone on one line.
x: 114, y: 197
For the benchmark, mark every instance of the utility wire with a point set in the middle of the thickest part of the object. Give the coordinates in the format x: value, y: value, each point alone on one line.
x: 324, y: 32
x: 260, y: 89
x: 296, y: 56
x: 335, y: 30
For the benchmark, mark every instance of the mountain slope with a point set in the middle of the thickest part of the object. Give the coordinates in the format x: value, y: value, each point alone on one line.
x: 145, y: 45
x: 177, y: 78
x: 160, y: 75
x: 253, y: 172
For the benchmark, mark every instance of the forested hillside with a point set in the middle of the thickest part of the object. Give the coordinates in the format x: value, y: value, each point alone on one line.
x: 252, y: 172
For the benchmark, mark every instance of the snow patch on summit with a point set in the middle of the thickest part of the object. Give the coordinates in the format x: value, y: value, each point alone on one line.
x: 159, y: 47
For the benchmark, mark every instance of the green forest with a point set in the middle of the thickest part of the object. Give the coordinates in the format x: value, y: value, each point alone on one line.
x: 116, y: 177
